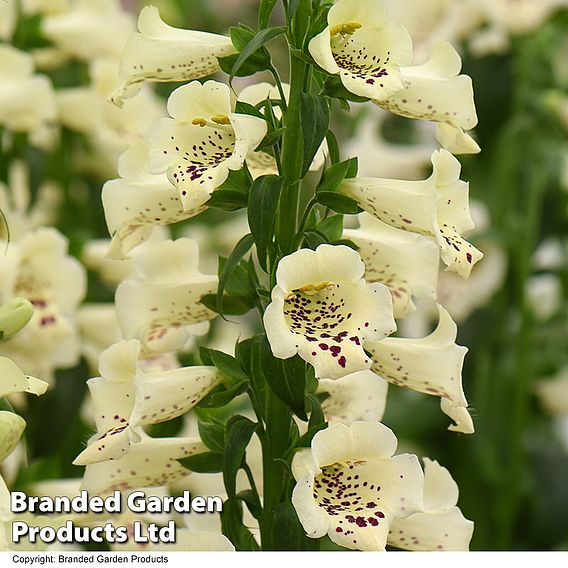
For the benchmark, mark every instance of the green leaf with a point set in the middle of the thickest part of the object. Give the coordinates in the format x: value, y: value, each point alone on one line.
x: 333, y: 176
x: 315, y: 117
x: 333, y: 147
x: 264, y: 12
x: 287, y: 531
x: 221, y: 395
x: 213, y: 435
x: 313, y: 239
x: 227, y: 365
x: 242, y: 247
x: 261, y: 39
x: 245, y: 108
x: 240, y: 36
x: 333, y: 87
x: 338, y: 202
x: 207, y: 462
x: 271, y: 138
x: 227, y: 200
x: 233, y: 527
x: 232, y: 305
x: 247, y: 496
x: 263, y: 203
x: 286, y: 378
x: 331, y: 227
x: 238, y: 433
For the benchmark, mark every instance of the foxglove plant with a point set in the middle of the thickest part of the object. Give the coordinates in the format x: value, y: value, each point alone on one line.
x: 326, y: 309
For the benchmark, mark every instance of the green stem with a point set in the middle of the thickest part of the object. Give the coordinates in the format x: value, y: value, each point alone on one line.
x: 276, y: 476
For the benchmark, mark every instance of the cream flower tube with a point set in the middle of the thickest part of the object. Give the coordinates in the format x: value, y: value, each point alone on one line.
x: 139, y: 201
x: 160, y: 52
x: 323, y: 310
x: 203, y: 141
x: 442, y: 525
x: 12, y: 380
x: 161, y: 304
x: 435, y: 91
x: 12, y: 427
x: 359, y: 397
x: 151, y: 462
x: 406, y: 263
x: 437, y: 207
x: 363, y: 47
x: 351, y: 487
x: 431, y: 365
x: 125, y: 397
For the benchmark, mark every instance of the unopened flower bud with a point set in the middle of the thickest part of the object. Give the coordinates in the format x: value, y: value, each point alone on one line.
x: 14, y: 315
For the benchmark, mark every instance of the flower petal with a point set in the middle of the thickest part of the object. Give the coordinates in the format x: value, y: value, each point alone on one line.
x: 406, y: 263
x: 431, y: 365
x: 163, y: 299
x: 440, y: 490
x: 361, y: 396
x: 12, y: 380
x: 435, y: 91
x: 12, y: 427
x: 163, y: 53
x: 166, y: 395
x: 432, y: 532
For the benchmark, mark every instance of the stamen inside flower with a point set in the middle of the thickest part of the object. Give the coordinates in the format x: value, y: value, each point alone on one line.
x: 345, y: 29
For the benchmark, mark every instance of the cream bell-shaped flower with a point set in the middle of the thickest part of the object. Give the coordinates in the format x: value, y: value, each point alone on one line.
x: 359, y: 397
x: 12, y: 427
x: 151, y: 462
x: 363, y: 47
x: 13, y: 380
x: 435, y: 91
x: 437, y: 207
x: 405, y: 262
x: 323, y: 310
x: 89, y: 28
x: 161, y: 305
x: 139, y: 201
x: 38, y: 268
x: 162, y: 53
x: 261, y: 163
x: 350, y: 486
x: 442, y: 525
x: 125, y: 397
x: 27, y: 101
x: 430, y: 365
x: 203, y: 141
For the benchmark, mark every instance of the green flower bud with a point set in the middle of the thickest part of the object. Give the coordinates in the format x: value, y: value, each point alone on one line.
x: 14, y: 315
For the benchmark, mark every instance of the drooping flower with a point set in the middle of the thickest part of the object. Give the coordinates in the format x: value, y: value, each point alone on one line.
x: 203, y: 141
x: 431, y: 365
x: 27, y: 101
x: 359, y: 397
x: 38, y: 268
x: 160, y: 52
x: 12, y: 380
x: 436, y: 207
x: 436, y: 91
x: 88, y: 29
x: 406, y: 263
x: 324, y: 310
x: 148, y: 463
x: 126, y: 398
x: 351, y: 487
x: 161, y: 305
x: 442, y: 525
x: 261, y: 163
x: 139, y: 201
x: 363, y: 47
x: 12, y: 427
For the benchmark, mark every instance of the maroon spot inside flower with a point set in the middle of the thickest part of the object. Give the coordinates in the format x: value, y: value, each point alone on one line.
x: 342, y: 361
x: 469, y: 257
